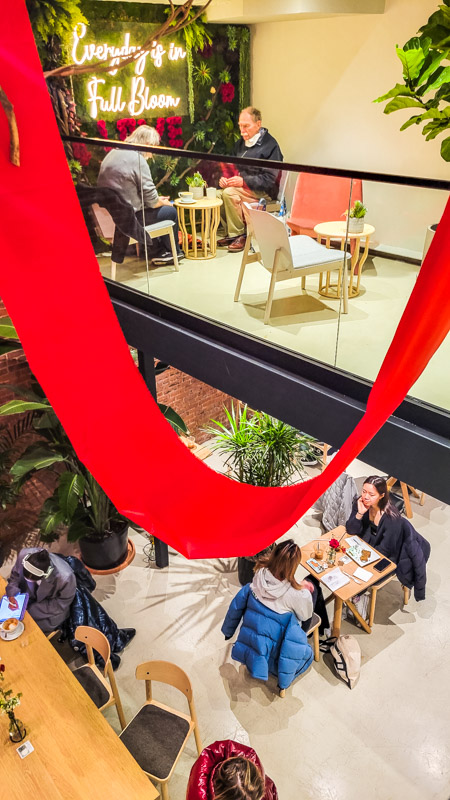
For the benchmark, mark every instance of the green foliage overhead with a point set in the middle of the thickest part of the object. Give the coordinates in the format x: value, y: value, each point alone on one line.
x: 53, y: 18
x: 260, y: 449
x: 426, y: 79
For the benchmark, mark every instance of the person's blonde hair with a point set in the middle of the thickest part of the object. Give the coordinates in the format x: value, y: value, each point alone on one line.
x: 238, y: 778
x: 144, y: 134
x: 254, y: 113
x: 282, y: 562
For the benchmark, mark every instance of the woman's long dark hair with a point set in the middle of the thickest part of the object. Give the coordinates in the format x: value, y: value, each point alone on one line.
x: 282, y: 562
x: 385, y: 503
x: 238, y: 779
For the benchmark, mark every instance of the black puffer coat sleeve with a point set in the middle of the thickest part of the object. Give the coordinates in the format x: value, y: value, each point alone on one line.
x: 412, y: 564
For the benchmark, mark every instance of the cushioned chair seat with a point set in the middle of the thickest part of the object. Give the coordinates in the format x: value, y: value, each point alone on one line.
x: 91, y: 684
x: 306, y: 252
x: 154, y: 738
x: 315, y: 620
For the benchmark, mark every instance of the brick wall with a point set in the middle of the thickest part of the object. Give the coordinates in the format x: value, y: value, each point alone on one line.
x: 196, y: 402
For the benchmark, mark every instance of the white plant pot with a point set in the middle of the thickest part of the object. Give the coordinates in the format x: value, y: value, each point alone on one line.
x: 431, y: 230
x: 356, y: 224
x: 197, y: 191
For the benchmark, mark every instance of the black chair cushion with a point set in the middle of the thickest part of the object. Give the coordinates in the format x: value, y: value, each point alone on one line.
x: 91, y: 684
x: 154, y: 738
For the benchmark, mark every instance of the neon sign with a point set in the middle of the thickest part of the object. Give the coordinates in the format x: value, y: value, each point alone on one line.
x: 138, y: 96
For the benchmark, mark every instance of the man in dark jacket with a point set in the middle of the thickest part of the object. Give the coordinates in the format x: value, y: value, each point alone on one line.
x: 249, y: 184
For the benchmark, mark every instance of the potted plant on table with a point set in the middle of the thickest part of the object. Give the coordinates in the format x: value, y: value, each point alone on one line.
x: 196, y: 184
x: 356, y: 217
x: 262, y: 451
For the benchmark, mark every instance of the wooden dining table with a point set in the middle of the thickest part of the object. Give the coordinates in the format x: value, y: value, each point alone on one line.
x: 345, y: 594
x: 76, y: 754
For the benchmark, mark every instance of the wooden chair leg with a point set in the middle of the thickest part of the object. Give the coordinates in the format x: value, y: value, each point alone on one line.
x: 117, y: 699
x: 242, y: 269
x: 174, y: 250
x: 406, y: 595
x: 282, y: 692
x: 164, y: 792
x: 273, y: 280
x: 303, y: 283
x: 113, y: 270
x: 373, y: 600
x: 316, y: 647
x: 405, y: 494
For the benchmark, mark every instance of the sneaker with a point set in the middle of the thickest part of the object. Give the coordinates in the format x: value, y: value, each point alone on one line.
x: 166, y: 257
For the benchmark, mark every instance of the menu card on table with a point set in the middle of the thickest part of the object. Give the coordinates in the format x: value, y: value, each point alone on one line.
x: 335, y: 579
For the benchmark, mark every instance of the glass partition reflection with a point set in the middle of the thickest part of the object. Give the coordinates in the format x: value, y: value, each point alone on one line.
x: 176, y: 229
x: 388, y: 244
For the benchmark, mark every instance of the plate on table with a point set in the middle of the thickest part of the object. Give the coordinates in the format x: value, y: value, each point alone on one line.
x: 186, y: 202
x: 355, y: 551
x: 9, y: 637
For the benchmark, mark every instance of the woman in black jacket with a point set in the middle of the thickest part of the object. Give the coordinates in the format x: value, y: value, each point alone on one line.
x: 376, y: 520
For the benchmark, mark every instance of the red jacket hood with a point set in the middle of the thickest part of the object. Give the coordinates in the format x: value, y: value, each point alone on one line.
x: 200, y: 786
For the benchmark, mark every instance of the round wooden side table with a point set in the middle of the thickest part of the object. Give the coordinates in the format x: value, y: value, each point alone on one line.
x: 337, y: 230
x: 203, y: 216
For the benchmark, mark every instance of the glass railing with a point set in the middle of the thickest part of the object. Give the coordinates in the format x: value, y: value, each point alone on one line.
x: 343, y: 316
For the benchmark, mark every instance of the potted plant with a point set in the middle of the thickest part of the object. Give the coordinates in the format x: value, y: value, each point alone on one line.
x: 78, y: 502
x: 196, y: 184
x: 262, y: 451
x: 426, y: 86
x: 356, y: 217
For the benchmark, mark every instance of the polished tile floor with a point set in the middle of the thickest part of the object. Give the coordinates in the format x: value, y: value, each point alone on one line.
x: 387, y: 739
x: 306, y: 323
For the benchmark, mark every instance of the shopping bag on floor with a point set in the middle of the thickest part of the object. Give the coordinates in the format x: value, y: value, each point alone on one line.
x: 346, y: 654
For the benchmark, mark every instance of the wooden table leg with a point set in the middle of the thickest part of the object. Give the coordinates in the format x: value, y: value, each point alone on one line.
x: 337, y: 619
x: 193, y: 231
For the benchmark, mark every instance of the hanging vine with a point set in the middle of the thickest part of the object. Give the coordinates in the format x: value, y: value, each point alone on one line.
x: 190, y: 70
x: 244, y: 69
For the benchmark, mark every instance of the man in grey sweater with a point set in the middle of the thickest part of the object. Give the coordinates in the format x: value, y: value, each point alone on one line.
x: 127, y: 172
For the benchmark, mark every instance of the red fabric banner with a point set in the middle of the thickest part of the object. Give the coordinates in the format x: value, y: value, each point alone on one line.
x: 51, y: 285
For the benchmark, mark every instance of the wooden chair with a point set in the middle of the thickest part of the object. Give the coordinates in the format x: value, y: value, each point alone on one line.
x: 106, y: 228
x: 103, y: 692
x: 314, y: 630
x: 406, y: 488
x: 284, y: 257
x: 157, y: 735
x: 373, y: 597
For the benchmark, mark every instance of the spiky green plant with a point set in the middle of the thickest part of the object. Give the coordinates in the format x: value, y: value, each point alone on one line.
x: 260, y: 449
x: 202, y: 73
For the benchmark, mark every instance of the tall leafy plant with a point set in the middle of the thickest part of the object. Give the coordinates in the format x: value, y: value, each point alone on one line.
x: 260, y: 449
x: 426, y: 79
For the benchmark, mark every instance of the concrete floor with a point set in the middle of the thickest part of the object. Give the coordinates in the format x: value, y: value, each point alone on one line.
x: 306, y: 323
x: 387, y: 739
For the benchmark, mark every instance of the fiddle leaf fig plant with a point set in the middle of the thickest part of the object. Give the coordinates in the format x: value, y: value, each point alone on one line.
x: 426, y: 79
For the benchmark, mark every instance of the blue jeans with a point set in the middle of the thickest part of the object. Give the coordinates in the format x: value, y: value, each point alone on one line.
x: 160, y: 214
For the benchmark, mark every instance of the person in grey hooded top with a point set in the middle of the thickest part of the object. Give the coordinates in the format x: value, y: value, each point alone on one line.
x: 275, y: 586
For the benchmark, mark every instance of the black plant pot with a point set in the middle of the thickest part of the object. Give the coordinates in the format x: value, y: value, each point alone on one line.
x: 105, y: 552
x: 246, y: 568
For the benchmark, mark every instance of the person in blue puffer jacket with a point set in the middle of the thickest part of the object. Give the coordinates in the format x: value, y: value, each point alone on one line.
x: 270, y: 640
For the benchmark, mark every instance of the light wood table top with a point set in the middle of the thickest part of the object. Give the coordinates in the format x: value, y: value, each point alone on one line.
x: 345, y: 593
x: 77, y: 754
x: 201, y: 202
x: 337, y: 230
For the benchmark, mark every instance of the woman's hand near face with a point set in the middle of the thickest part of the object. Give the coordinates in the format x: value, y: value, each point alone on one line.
x: 361, y: 507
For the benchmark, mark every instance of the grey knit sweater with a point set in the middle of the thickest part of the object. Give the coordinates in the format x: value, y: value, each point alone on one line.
x: 128, y: 173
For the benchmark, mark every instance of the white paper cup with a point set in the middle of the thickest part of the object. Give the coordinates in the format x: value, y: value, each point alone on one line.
x: 211, y: 191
